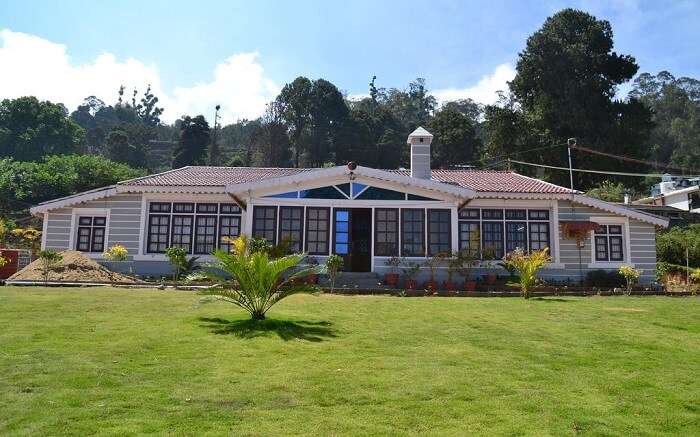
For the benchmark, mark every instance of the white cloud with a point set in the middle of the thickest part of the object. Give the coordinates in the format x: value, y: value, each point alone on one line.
x: 31, y: 65
x: 485, y: 91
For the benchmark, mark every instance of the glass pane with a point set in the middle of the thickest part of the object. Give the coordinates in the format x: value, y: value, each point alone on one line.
x: 538, y: 214
x: 210, y: 208
x: 345, y: 188
x: 469, y: 213
x: 287, y: 195
x: 341, y: 249
x: 515, y: 214
x: 99, y: 221
x: 357, y: 187
x: 328, y: 192
x: 342, y: 216
x: 160, y: 207
x: 374, y: 193
x: 516, y: 236
x: 183, y: 207
x: 493, y: 214
x: 417, y: 197
x: 615, y: 229
x: 230, y: 208
x: 85, y: 221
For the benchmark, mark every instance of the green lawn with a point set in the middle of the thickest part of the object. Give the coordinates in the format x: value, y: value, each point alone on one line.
x: 119, y: 362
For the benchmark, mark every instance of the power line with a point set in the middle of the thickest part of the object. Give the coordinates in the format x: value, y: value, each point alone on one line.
x: 617, y: 173
x: 630, y: 159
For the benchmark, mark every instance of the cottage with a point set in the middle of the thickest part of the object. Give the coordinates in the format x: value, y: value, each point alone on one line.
x: 363, y: 214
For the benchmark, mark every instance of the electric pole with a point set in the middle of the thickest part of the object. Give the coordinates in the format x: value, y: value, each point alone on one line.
x: 214, y: 151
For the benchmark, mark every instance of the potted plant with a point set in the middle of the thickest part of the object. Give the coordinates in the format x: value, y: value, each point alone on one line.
x: 391, y: 278
x: 467, y: 262
x: 454, y: 265
x: 490, y: 254
x: 333, y: 265
x: 312, y: 263
x: 432, y: 263
x: 410, y: 272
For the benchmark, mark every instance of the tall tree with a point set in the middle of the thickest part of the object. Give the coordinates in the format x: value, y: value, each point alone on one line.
x: 270, y: 145
x: 294, y: 102
x: 119, y: 149
x: 194, y: 140
x: 455, y: 139
x: 565, y: 87
x: 31, y: 129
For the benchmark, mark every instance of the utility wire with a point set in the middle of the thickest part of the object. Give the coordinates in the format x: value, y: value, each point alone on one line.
x: 617, y: 173
x: 636, y: 160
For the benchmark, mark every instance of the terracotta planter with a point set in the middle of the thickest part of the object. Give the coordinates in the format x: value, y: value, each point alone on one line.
x: 312, y: 278
x: 430, y: 285
x: 391, y: 279
x: 448, y: 285
x: 469, y: 285
x: 490, y: 278
x: 410, y: 284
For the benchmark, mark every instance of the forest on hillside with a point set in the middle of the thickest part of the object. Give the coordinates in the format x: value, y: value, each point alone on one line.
x: 566, y: 86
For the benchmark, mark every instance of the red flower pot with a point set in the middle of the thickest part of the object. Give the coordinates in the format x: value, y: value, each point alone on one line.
x: 410, y: 284
x: 448, y: 285
x: 430, y: 285
x: 391, y: 279
x: 491, y: 278
x: 312, y: 278
x: 469, y: 285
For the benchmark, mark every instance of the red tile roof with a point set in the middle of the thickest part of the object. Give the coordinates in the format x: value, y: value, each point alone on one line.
x: 477, y: 180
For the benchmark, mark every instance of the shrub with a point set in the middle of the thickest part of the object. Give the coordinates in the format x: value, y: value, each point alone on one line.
x: 116, y: 253
x: 256, y: 245
x: 604, y: 279
x: 28, y: 237
x: 671, y: 245
x: 393, y: 263
x: 3, y: 261
x: 257, y: 281
x: 527, y: 266
x: 333, y: 265
x: 182, y: 266
x: 49, y: 259
x: 631, y: 276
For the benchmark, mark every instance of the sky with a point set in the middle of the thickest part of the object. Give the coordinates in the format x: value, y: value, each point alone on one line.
x: 239, y: 54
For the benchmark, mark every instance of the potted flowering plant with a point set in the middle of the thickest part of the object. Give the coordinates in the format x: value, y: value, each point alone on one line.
x: 391, y: 278
x: 410, y: 272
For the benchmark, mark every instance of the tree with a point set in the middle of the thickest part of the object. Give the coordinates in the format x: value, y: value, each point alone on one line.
x: 564, y: 87
x: 270, y: 145
x: 119, y: 149
x: 256, y: 282
x: 194, y: 140
x: 294, y: 102
x: 608, y: 191
x: 31, y: 129
x: 455, y: 141
x: 28, y: 183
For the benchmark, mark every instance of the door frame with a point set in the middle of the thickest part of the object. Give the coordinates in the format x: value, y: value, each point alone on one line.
x: 347, y: 259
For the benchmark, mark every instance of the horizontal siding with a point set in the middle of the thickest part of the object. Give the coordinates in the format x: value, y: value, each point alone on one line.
x: 642, y: 245
x: 124, y: 223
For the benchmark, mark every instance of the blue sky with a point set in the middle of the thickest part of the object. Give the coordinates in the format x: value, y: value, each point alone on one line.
x: 195, y: 52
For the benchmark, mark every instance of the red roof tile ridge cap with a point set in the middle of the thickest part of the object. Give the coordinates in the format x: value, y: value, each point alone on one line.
x: 544, y: 182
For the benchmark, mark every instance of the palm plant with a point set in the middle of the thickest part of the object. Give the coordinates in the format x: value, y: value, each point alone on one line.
x: 527, y: 265
x: 257, y: 281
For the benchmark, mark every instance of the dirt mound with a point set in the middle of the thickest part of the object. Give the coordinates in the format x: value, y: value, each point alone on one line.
x: 74, y: 267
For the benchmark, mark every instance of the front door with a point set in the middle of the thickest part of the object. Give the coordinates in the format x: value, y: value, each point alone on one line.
x: 352, y: 238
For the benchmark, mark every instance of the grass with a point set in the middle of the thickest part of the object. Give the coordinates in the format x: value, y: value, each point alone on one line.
x: 125, y: 362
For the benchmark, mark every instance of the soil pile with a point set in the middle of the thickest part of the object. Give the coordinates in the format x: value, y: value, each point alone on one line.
x: 74, y: 267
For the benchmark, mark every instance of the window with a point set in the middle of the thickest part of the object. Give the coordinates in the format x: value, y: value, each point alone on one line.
x: 265, y: 223
x: 329, y: 192
x: 342, y: 232
x: 502, y: 230
x: 439, y: 240
x: 608, y: 243
x: 386, y: 232
x: 492, y: 240
x: 516, y: 236
x: 539, y: 235
x: 195, y: 227
x: 291, y: 219
x: 91, y: 234
x: 205, y: 233
x: 158, y: 231
x: 412, y: 232
x: 317, y: 228
x: 374, y: 193
x: 229, y: 228
x: 181, y: 235
x: 469, y: 237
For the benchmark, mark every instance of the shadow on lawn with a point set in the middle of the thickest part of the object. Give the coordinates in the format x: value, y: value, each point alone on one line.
x: 285, y: 329
x: 552, y: 299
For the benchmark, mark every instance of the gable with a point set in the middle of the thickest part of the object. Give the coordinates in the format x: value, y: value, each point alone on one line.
x: 351, y: 191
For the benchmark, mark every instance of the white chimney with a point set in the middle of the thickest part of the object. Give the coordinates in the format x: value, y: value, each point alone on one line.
x: 420, y: 140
